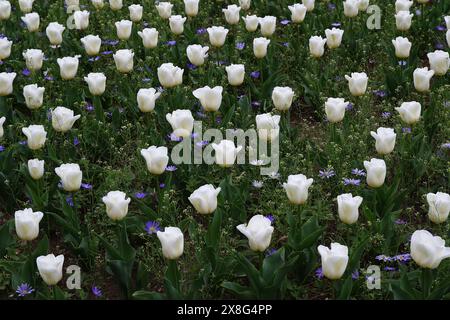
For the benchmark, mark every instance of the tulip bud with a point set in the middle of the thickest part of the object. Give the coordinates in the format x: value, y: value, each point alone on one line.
x: 191, y: 7
x: 115, y: 5
x: 363, y: 5
x: 123, y: 59
x: 282, y: 98
x: 6, y: 83
x: 5, y: 10
x: 422, y: 77
x: 98, y: 4
x: 123, y: 29
x: 33, y: 59
x: 309, y: 4
x: 34, y: 96
x: 36, y: 135
x: 439, y: 62
x: 70, y: 175
x: 447, y: 22
x: 268, y: 126
x: 63, y: 119
x: 96, y: 83
x: 357, y: 83
x: 334, y: 37
x: 402, y: 5
x: 182, y: 122
x: 232, y: 14
x: 334, y: 260
x: 297, y: 188
x: 376, y: 172
x: 54, y: 33
x: 447, y: 35
x: 172, y: 242
x: 2, y: 131
x: 439, y: 206
x: 402, y: 47
x: 410, y: 112
x: 136, y: 12
x: 217, y: 36
x: 251, y: 23
x: 197, y: 54
x: 245, y: 4
x: 210, y: 98
x: 317, y: 46
x: 258, y: 231
x: 50, y: 268
x: 26, y: 6
x: 91, y: 44
x: 385, y: 140
x: 403, y: 20
x: 170, y: 76
x: 427, y: 250
x: 116, y: 204
x: 351, y: 8
x: 68, y: 67
x: 149, y: 37
x: 146, y: 99
x: 36, y: 168
x: 5, y: 48
x: 226, y: 153
x: 27, y: 223
x: 164, y: 9
x: 204, y: 199
x: 260, y: 47
x: 335, y: 109
x: 298, y: 12
x: 348, y: 207
x: 32, y: 21
x: 81, y: 19
x: 156, y: 159
x: 176, y: 24
x: 235, y: 73
x: 268, y: 25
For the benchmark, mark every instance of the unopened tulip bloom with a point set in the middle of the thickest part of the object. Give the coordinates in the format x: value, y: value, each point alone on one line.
x: 36, y: 168
x: 91, y: 44
x: 156, y: 159
x: 172, y: 242
x: 34, y: 96
x: 258, y: 232
x: 403, y: 5
x: 334, y: 37
x: 335, y: 109
x: 357, y: 83
x: 27, y: 223
x: 176, y: 24
x: 235, y: 73
x: 447, y: 22
x: 226, y: 153
x: 197, y: 54
x: 182, y: 122
x: 245, y: 4
x: 267, y: 126
x: 70, y: 175
x: 282, y: 98
x: 146, y: 99
x: 403, y: 20
x: 116, y: 205
x: 439, y: 206
x: 26, y: 6
x: 317, y: 46
x: 348, y: 207
x: 36, y: 136
x: 363, y: 5
x: 115, y: 5
x: 81, y: 19
x: 54, y: 33
x: 98, y: 4
x: 136, y: 11
x: 204, y: 199
x: 260, y: 47
x: 6, y: 83
x: 2, y: 122
x: 402, y: 47
x: 164, y: 9
x: 96, y: 82
x: 351, y: 8
x: 210, y: 98
x: 410, y: 112
x: 251, y: 23
x: 439, y: 62
x: 385, y: 140
x: 50, y: 268
x: 63, y: 119
x: 123, y: 59
x: 297, y: 188
x: 422, y: 77
x: 376, y: 172
x: 123, y: 29
x: 32, y: 21
x: 268, y: 25
x: 169, y: 75
x: 427, y: 250
x: 447, y: 35
x: 309, y: 4
x: 68, y: 67
x: 5, y: 10
x: 232, y: 14
x: 217, y: 36
x: 298, y: 12
x: 149, y: 37
x: 334, y: 260
x: 33, y: 59
x: 5, y: 48
x: 191, y: 7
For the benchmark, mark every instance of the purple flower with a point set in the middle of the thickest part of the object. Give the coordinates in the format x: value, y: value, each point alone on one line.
x: 69, y: 201
x: 201, y: 114
x: 383, y: 257
x: 49, y: 78
x: 106, y: 53
x: 390, y: 269
x: 76, y: 141
x: 96, y: 291
x: 270, y: 252
x: 202, y: 143
x: 171, y: 168
x: 201, y: 31
x: 174, y: 138
x: 402, y: 63
x: 336, y: 24
x: 439, y: 46
x: 380, y: 93
x: 89, y: 107
x: 327, y: 173
x: 255, y: 74
x: 406, y: 130
x: 286, y: 44
x: 349, y: 106
x: 400, y: 221
x: 271, y: 218
x: 446, y: 145
x: 146, y: 79
x: 240, y: 45
x: 92, y: 59
x: 191, y: 66
x: 24, y: 289
x: 331, y: 6
x: 256, y: 104
x: 26, y: 72
x: 140, y: 195
x: 355, y: 275
x: 162, y: 185
x: 152, y: 227
x: 386, y: 115
x: 403, y: 258
x: 2, y: 148
x: 319, y: 273
x: 218, y: 120
x: 86, y: 186
x: 23, y: 142
x: 351, y: 182
x: 418, y: 12
x: 441, y: 28
x: 171, y: 43
x: 359, y: 172
x: 285, y: 22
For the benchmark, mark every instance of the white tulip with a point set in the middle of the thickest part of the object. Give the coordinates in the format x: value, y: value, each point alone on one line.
x: 298, y: 12
x: 351, y: 8
x: 6, y: 83
x: 210, y: 98
x: 182, y: 122
x: 204, y: 199
x: 197, y: 54
x: 146, y: 99
x: 357, y: 83
x: 123, y: 29
x: 282, y: 98
x: 68, y: 67
x: 403, y: 5
x: 81, y: 19
x: 226, y: 153
x: 447, y: 36
x: 36, y: 168
x: 439, y: 62
x: 156, y: 159
x: 34, y: 96
x: 317, y: 46
x: 50, y: 268
x: 2, y: 122
x: 169, y: 75
x: 136, y: 12
x: 191, y: 7
x: 258, y: 232
x: 149, y: 37
x: 54, y: 33
x: 176, y: 24
x: 297, y: 188
x: 32, y: 21
x: 334, y: 37
x: 403, y: 20
x: 72, y: 3
x: 26, y: 6
x: 27, y: 223
x: 268, y: 25
x: 98, y: 4
x: 384, y: 140
x: 260, y: 47
x: 70, y: 175
x: 96, y: 83
x: 422, y: 77
x: 5, y: 10
x: 63, y: 119
x: 232, y: 14
x: 309, y: 4
x: 235, y: 73
x: 376, y: 172
x: 447, y: 22
x: 402, y: 47
x: 217, y: 36
x: 245, y: 4
x: 363, y: 5
x: 115, y: 5
x: 5, y: 48
x: 334, y: 260
x: 439, y: 206
x: 410, y: 112
x: 348, y: 207
x: 123, y: 59
x: 251, y: 23
x: 36, y: 136
x: 91, y: 44
x: 164, y: 9
x: 172, y: 242
x: 116, y: 205
x: 335, y: 109
x: 33, y: 59
x: 268, y: 126
x: 427, y: 250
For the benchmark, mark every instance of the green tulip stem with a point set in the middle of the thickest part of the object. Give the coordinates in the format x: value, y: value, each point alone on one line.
x: 427, y: 279
x: 97, y: 101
